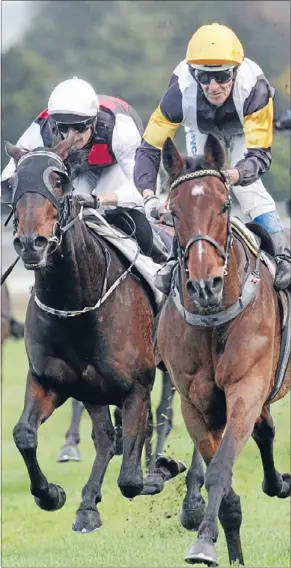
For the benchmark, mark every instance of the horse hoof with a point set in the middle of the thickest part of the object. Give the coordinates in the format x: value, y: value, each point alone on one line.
x: 130, y: 490
x: 69, y: 452
x: 170, y: 468
x: 153, y: 484
x: 286, y: 487
x: 53, y: 500
x: 202, y: 553
x: 191, y: 518
x: 87, y: 521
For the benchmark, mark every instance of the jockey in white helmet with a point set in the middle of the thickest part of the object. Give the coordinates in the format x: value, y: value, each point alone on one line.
x: 109, y: 131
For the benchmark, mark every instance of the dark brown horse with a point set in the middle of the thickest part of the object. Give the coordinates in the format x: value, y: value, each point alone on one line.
x: 89, y: 326
x: 221, y: 351
x: 9, y: 325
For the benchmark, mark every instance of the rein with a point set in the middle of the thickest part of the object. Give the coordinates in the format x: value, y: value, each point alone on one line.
x: 249, y: 288
x: 73, y: 313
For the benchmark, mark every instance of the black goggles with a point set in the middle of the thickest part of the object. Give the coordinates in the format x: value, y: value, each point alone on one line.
x: 205, y: 77
x: 77, y: 126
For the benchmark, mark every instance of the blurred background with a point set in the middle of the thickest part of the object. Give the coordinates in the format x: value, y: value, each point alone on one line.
x: 129, y: 49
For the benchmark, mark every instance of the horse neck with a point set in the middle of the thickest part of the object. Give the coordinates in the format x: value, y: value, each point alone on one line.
x: 75, y: 272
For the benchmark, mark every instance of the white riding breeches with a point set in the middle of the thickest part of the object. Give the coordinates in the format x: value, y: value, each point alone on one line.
x: 254, y: 199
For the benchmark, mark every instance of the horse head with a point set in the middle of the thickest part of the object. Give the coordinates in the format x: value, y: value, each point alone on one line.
x: 199, y: 202
x: 39, y: 197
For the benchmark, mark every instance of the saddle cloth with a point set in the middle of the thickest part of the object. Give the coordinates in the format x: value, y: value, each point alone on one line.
x: 252, y: 243
x: 144, y: 265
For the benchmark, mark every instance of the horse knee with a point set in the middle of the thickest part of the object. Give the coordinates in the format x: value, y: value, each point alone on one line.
x: 218, y: 475
x: 25, y: 436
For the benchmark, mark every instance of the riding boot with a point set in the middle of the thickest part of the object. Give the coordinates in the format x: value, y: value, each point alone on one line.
x: 271, y: 222
x: 163, y: 277
x: 283, y: 260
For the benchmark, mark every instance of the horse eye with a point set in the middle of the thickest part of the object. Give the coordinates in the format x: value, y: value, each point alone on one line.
x: 225, y: 207
x: 58, y: 184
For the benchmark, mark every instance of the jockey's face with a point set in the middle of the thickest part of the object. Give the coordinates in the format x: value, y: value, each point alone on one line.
x: 81, y: 138
x: 217, y: 93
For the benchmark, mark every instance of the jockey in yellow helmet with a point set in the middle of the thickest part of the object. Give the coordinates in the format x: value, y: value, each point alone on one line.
x: 217, y: 90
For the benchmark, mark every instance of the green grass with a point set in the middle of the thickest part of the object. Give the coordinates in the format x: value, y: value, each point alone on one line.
x: 144, y: 532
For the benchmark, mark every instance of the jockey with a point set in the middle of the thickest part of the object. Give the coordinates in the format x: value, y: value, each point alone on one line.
x: 101, y: 166
x: 109, y: 131
x: 217, y: 90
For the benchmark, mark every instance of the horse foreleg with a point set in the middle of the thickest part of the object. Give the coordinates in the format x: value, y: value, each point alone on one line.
x: 87, y: 516
x: 274, y: 484
x: 38, y: 406
x: 135, y: 413
x: 164, y: 412
x: 227, y: 505
x: 69, y: 451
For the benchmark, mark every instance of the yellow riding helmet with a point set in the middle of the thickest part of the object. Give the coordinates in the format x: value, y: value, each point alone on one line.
x: 214, y: 44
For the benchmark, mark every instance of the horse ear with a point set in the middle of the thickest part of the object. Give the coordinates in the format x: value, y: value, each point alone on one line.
x: 62, y: 149
x: 213, y: 152
x: 14, y: 151
x: 173, y: 162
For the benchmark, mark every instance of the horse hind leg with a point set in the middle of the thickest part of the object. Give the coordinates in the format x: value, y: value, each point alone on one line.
x: 39, y: 405
x: 149, y: 456
x: 87, y: 516
x: 193, y: 507
x: 164, y: 413
x: 118, y: 431
x: 274, y: 484
x: 69, y: 451
x: 230, y: 516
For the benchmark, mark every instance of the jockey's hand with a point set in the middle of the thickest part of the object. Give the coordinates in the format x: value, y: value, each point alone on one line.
x: 150, y: 203
x: 92, y: 201
x: 163, y: 216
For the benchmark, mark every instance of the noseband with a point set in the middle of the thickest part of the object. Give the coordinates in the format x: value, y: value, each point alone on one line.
x: 183, y: 253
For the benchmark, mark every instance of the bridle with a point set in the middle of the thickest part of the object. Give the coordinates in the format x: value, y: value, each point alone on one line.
x: 250, y: 285
x: 183, y: 253
x: 41, y: 180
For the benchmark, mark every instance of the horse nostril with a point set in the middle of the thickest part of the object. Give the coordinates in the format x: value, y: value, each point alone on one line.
x: 216, y: 284
x: 192, y: 288
x: 40, y: 243
x: 18, y: 245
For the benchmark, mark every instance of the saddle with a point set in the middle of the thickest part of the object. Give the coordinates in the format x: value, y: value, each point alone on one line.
x: 134, y: 223
x: 257, y: 239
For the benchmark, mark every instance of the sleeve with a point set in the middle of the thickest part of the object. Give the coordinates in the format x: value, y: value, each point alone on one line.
x: 163, y: 123
x: 258, y: 130
x: 29, y: 140
x: 125, y: 140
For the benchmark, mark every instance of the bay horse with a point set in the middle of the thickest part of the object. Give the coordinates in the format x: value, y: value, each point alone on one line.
x: 221, y: 353
x: 88, y: 333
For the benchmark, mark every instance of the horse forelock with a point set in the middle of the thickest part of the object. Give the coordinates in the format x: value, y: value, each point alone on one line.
x: 191, y: 164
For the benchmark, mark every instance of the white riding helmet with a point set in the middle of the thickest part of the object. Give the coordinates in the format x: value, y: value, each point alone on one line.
x: 74, y: 97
